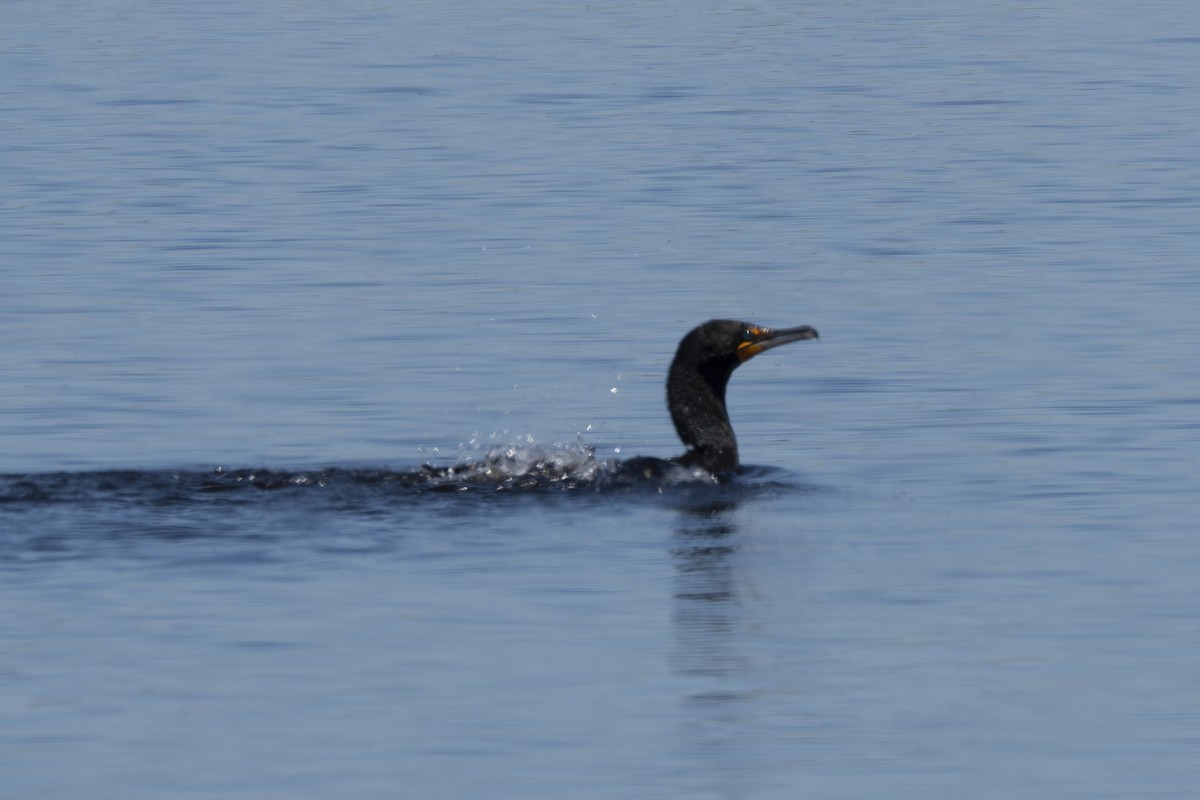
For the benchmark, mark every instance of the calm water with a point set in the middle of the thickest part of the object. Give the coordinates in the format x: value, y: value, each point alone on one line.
x: 342, y: 239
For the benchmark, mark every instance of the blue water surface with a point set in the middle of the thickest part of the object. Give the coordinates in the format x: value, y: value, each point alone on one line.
x: 335, y: 241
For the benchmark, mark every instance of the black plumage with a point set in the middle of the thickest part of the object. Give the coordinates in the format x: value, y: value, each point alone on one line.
x: 696, y: 383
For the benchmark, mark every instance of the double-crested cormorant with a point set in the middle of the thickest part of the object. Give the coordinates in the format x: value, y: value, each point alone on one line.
x: 696, y: 382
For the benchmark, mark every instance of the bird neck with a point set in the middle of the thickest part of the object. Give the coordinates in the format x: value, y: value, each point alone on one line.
x: 696, y: 398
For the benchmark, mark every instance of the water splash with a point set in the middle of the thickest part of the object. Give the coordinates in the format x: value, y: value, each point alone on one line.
x: 521, y: 466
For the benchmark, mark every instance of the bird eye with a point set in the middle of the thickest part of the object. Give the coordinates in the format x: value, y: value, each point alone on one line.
x: 748, y: 335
